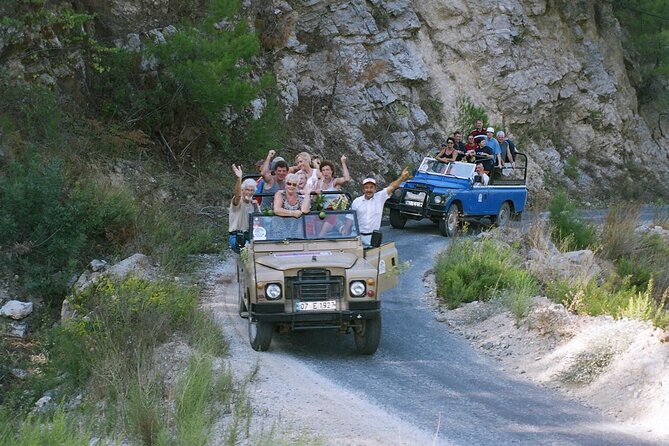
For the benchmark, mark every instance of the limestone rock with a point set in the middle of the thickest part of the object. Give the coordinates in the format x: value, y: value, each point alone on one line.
x: 16, y: 309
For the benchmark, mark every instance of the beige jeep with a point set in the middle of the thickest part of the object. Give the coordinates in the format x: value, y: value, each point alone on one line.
x: 310, y: 273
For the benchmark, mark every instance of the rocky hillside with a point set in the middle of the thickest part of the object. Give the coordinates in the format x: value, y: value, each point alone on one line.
x: 384, y: 81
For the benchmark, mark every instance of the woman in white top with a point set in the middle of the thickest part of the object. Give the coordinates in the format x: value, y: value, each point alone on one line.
x: 303, y: 162
x: 328, y: 182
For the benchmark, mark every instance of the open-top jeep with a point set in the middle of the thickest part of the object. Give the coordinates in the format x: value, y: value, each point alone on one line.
x: 451, y: 193
x: 312, y: 272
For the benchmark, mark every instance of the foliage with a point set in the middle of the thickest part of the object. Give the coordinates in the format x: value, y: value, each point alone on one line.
x: 567, y: 227
x: 614, y: 297
x: 135, y: 310
x: 517, y: 298
x: 197, y: 392
x: 468, y: 113
x: 202, y: 72
x: 571, y: 167
x: 647, y: 22
x: 469, y: 271
x: 170, y: 240
x: 47, y: 223
x: 62, y: 430
x: 31, y: 111
x: 639, y: 257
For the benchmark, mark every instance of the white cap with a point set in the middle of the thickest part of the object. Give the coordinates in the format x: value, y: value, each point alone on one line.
x: 369, y: 180
x: 490, y: 129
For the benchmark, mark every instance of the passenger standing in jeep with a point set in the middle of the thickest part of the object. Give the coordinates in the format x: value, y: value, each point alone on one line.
x: 241, y: 205
x: 369, y: 206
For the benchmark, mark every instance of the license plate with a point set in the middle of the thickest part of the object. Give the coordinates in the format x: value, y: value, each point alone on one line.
x: 417, y: 204
x: 316, y: 305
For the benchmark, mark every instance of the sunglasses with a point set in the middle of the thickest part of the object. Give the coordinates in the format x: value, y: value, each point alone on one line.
x: 288, y: 183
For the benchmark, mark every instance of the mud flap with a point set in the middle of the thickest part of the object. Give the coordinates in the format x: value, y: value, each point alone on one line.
x: 385, y: 259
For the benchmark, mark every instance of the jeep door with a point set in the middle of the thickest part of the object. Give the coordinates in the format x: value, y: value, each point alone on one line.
x: 385, y: 260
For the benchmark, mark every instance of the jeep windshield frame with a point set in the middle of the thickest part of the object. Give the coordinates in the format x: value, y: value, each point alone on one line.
x: 272, y: 228
x: 455, y: 169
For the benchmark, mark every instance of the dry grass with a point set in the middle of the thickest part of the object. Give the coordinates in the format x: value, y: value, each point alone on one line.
x: 618, y: 235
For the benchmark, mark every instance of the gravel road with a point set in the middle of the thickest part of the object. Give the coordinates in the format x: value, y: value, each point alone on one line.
x: 425, y: 384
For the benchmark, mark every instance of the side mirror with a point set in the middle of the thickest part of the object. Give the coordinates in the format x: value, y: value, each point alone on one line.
x: 478, y: 179
x: 377, y: 238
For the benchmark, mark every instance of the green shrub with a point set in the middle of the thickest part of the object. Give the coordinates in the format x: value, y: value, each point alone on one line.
x: 615, y: 297
x: 47, y: 224
x: 468, y: 113
x: 126, y: 320
x: 62, y: 430
x: 202, y: 72
x: 517, y: 298
x: 31, y: 110
x: 469, y: 271
x: 171, y: 240
x: 567, y: 227
x: 571, y: 167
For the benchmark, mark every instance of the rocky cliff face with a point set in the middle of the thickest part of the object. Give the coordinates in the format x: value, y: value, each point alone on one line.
x: 382, y: 78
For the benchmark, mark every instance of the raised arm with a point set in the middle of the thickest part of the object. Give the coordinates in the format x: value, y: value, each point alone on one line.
x: 395, y: 184
x: 346, y: 176
x: 238, y: 184
x: 265, y: 172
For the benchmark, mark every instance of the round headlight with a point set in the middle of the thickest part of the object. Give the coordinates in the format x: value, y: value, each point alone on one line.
x: 438, y: 199
x: 273, y: 291
x: 357, y: 288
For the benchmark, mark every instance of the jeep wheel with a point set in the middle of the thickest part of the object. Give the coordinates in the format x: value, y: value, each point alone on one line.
x: 260, y: 335
x: 397, y: 220
x: 449, y: 226
x: 367, y: 336
x: 503, y: 215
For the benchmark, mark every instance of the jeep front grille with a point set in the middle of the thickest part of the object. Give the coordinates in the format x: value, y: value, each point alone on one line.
x: 314, y: 284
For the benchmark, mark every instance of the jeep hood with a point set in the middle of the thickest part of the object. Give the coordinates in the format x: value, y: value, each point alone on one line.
x: 304, y: 259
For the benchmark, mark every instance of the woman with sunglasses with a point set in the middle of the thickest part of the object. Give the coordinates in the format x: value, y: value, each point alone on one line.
x: 291, y: 203
x: 448, y: 153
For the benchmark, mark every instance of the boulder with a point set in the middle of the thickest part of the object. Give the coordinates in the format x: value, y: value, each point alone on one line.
x: 16, y: 309
x: 18, y: 329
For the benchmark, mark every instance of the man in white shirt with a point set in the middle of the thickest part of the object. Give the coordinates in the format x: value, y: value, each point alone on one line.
x: 478, y: 170
x: 369, y: 206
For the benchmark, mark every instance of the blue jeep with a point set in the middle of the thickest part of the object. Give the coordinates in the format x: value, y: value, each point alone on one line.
x: 451, y: 193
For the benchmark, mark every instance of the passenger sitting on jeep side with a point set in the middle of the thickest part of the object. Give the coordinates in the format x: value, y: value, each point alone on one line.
x: 484, y: 154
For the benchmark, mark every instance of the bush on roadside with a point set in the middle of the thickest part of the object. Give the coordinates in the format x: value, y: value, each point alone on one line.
x: 467, y: 271
x: 568, y: 230
x: 615, y: 297
x: 48, y: 224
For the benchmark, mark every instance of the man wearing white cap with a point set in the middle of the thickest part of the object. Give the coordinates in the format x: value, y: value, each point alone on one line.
x: 369, y: 206
x: 491, y: 142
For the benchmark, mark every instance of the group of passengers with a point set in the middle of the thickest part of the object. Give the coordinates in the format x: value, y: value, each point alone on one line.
x: 287, y: 190
x: 482, y: 147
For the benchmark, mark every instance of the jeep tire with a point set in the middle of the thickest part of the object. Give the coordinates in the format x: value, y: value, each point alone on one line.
x: 367, y: 336
x: 260, y: 334
x: 504, y: 215
x: 397, y: 220
x: 449, y: 226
